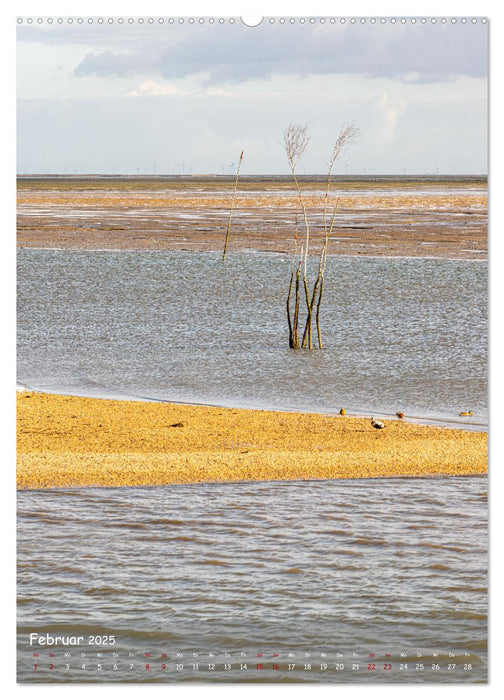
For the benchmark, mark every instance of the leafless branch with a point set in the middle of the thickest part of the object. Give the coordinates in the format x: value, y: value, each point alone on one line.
x: 296, y: 140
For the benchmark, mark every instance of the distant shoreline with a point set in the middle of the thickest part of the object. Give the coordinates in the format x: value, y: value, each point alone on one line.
x: 220, y: 179
x: 68, y: 441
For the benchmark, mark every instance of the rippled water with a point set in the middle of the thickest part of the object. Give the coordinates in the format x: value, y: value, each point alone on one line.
x: 349, y: 566
x: 399, y: 334
x: 338, y: 569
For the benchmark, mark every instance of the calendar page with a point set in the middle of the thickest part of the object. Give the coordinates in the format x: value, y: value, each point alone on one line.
x: 252, y: 349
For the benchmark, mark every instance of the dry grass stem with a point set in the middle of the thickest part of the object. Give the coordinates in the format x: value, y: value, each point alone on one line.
x: 232, y: 207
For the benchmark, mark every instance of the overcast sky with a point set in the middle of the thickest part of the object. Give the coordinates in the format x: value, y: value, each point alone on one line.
x: 169, y: 98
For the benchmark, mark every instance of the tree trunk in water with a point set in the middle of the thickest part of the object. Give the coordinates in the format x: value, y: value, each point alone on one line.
x: 295, y: 336
x: 307, y: 335
x: 291, y: 336
x: 321, y: 289
x: 311, y: 304
x: 293, y: 321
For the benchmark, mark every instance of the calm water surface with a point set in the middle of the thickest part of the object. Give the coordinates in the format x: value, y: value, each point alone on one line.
x: 349, y: 566
x: 399, y: 334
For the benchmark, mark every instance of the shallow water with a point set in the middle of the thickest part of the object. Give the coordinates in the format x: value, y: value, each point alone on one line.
x: 399, y: 334
x: 348, y: 567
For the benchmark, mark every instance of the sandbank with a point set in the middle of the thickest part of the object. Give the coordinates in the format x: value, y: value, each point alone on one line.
x: 68, y: 441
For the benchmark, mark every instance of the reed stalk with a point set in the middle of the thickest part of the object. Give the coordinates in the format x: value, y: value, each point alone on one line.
x: 232, y: 207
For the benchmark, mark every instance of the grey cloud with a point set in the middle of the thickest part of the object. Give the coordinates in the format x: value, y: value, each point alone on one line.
x: 235, y: 53
x: 108, y: 63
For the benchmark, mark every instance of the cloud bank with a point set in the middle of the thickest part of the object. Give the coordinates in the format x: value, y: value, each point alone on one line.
x: 233, y: 53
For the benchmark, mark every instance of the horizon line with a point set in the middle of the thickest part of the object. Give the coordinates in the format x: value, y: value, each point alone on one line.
x: 248, y: 175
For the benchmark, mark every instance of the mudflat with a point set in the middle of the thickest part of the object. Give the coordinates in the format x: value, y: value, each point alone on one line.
x: 439, y: 217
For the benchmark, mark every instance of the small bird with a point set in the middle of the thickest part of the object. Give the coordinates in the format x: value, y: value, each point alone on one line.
x: 377, y: 424
x: 342, y: 412
x: 400, y: 414
x: 466, y: 413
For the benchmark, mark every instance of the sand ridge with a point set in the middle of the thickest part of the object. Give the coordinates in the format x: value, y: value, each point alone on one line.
x: 68, y: 441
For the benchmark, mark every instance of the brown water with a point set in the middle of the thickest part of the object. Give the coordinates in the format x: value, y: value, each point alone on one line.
x: 337, y: 570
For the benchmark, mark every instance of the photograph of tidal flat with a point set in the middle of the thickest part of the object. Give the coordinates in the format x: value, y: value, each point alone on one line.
x: 192, y: 476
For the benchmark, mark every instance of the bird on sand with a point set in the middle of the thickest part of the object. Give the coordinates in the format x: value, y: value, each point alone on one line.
x: 177, y: 425
x: 377, y: 424
x: 342, y: 412
x: 466, y: 413
x: 400, y: 414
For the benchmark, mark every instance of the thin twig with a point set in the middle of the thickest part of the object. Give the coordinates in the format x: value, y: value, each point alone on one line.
x: 232, y: 207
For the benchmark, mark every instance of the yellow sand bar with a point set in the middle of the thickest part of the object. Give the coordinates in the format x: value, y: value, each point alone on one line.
x: 72, y: 441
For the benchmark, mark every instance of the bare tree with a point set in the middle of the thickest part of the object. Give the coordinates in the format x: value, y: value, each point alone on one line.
x: 296, y: 140
x: 295, y: 274
x: 348, y: 134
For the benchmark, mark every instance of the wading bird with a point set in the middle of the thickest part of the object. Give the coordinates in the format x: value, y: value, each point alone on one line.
x: 400, y: 414
x: 377, y: 424
x: 342, y: 412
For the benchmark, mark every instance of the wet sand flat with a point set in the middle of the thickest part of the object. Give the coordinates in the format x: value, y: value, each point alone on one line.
x: 429, y: 217
x: 66, y: 441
